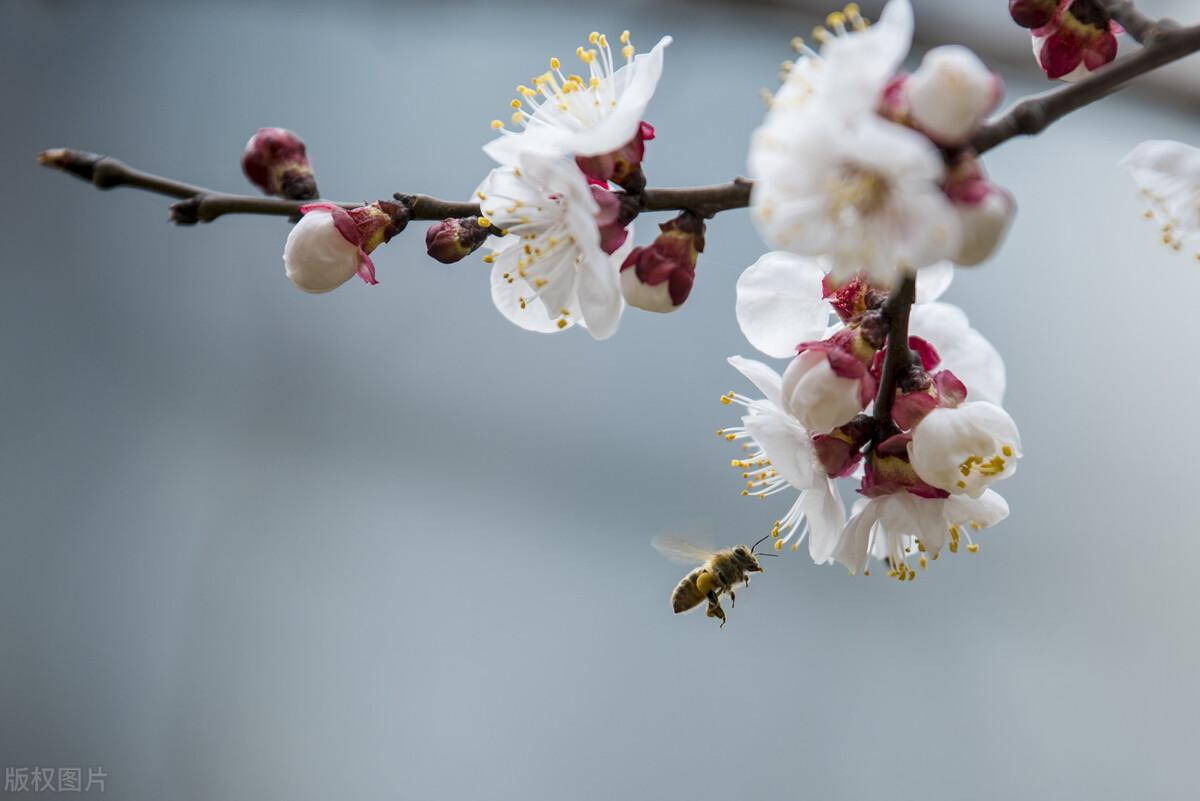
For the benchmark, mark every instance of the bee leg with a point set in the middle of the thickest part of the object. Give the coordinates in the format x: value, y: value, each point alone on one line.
x: 732, y: 600
x: 714, y: 608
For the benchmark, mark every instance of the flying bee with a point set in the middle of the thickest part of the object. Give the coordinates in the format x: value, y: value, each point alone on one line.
x: 719, y: 572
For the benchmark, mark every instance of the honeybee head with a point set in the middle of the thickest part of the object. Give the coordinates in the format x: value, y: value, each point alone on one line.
x: 747, y: 559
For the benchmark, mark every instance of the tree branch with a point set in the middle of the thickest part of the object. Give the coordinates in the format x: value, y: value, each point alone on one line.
x: 898, y: 355
x: 1034, y: 114
x: 1142, y: 28
x: 1165, y: 41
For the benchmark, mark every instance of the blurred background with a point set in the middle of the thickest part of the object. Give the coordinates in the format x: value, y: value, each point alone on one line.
x: 381, y: 544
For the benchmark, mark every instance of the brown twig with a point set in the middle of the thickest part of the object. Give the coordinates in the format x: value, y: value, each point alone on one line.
x: 898, y: 354
x: 1143, y: 29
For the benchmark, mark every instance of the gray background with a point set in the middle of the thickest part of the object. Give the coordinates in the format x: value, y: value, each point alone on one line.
x: 381, y: 544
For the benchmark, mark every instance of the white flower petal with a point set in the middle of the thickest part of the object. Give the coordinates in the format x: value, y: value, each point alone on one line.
x: 761, y: 376
x: 826, y: 517
x: 964, y: 351
x: 780, y: 303
x: 787, y: 445
x: 933, y: 281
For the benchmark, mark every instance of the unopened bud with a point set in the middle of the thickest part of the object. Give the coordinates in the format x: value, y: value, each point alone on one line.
x: 985, y: 212
x: 276, y: 162
x: 454, y: 238
x: 950, y: 94
x: 659, y: 277
x: 1081, y: 38
x: 331, y: 244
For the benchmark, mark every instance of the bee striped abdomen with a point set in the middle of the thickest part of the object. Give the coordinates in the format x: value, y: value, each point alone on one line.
x: 692, y: 590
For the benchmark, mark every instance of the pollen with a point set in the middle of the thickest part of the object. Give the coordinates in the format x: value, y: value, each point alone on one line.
x: 973, y: 547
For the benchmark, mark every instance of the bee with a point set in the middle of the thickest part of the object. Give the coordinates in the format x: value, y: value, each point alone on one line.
x: 719, y: 572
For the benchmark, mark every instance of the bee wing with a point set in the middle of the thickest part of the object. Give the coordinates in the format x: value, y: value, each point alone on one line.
x: 681, y: 551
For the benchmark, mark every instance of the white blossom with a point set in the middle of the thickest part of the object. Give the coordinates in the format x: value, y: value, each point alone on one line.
x: 582, y: 115
x: 965, y: 448
x: 834, y: 179
x: 1168, y: 175
x: 894, y: 527
x: 549, y: 272
x: 780, y: 455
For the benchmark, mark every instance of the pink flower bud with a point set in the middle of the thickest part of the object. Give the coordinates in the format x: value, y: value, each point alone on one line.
x: 659, y: 277
x: 1080, y: 38
x: 622, y: 166
x: 276, y: 162
x: 329, y: 244
x: 454, y: 238
x: 950, y: 94
x: 985, y: 212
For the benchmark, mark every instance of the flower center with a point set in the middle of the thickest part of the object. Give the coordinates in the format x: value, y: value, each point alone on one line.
x: 856, y: 193
x: 984, y: 467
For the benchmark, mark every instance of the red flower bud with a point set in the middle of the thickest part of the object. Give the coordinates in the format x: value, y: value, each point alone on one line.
x: 659, y: 277
x: 454, y: 238
x: 276, y: 162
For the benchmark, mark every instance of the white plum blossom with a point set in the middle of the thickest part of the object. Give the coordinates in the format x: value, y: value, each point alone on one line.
x: 950, y: 93
x: 894, y: 526
x: 582, y: 115
x: 781, y: 455
x: 834, y: 179
x: 868, y: 196
x: 965, y: 448
x: 1168, y: 175
x: 550, y: 271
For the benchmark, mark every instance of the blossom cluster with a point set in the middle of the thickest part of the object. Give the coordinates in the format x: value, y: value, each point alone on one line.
x: 866, y: 184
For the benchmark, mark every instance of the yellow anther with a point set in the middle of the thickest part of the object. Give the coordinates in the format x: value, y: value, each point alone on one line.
x: 973, y: 547
x: 851, y: 10
x: 603, y: 40
x: 836, y: 19
x: 720, y: 432
x: 538, y: 283
x: 518, y: 117
x: 593, y: 37
x: 779, y: 545
x: 953, y: 546
x: 624, y: 37
x: 725, y: 399
x: 820, y: 34
x: 731, y: 437
x: 515, y: 103
x: 962, y: 485
x: 497, y: 125
x: 627, y: 51
x: 525, y: 90
x: 745, y: 493
x: 923, y: 562
x: 483, y: 222
x: 562, y: 323
x: 866, y: 572
x: 554, y: 62
x: 489, y: 258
